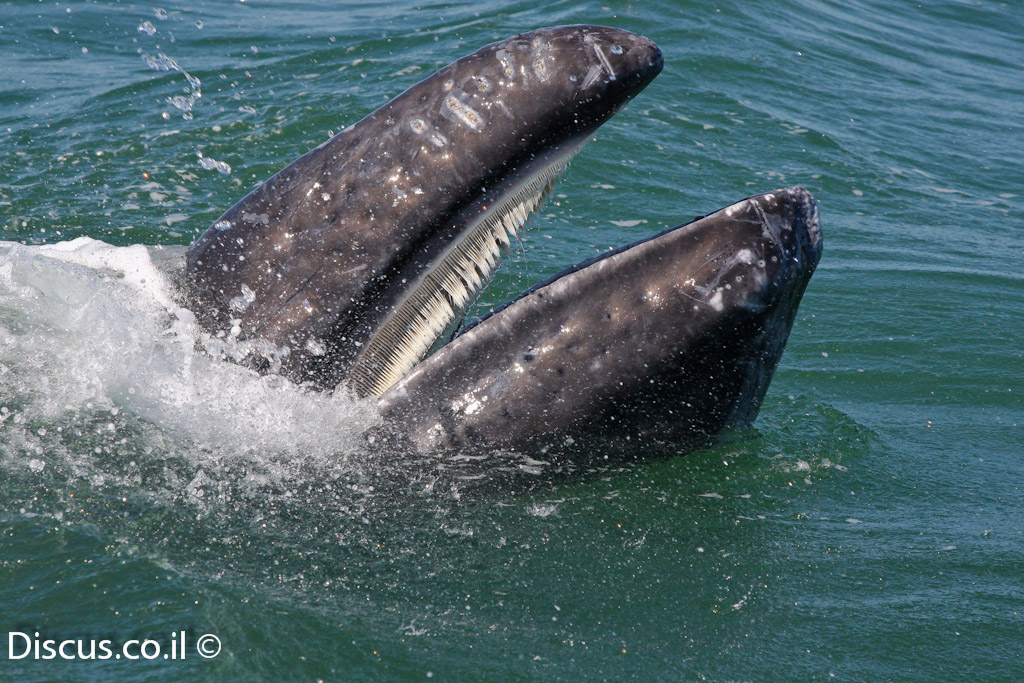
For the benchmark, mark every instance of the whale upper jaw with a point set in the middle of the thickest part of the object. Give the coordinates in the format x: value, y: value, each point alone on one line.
x: 322, y: 271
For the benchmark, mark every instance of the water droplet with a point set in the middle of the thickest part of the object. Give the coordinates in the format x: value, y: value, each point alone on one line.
x: 180, y: 102
x: 222, y: 225
x: 161, y: 14
x: 616, y: 49
x: 238, y: 304
x: 199, y: 23
x: 212, y: 164
x: 316, y: 347
x: 147, y: 28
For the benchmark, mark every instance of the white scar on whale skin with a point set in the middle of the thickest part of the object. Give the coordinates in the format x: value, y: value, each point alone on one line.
x: 455, y: 106
x: 604, y: 61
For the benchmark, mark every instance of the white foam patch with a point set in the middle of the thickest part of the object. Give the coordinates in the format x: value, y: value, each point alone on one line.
x: 132, y: 264
x: 86, y: 327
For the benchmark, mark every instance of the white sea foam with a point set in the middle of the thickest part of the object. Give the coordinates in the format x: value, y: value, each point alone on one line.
x: 87, y: 327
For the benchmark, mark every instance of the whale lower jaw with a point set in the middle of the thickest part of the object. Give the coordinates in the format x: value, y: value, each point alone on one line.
x: 674, y: 337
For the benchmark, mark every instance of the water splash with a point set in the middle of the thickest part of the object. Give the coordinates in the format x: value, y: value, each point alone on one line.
x: 211, y: 164
x: 91, y: 330
x: 193, y: 91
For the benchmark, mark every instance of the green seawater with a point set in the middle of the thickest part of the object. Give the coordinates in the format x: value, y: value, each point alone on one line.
x: 869, y: 527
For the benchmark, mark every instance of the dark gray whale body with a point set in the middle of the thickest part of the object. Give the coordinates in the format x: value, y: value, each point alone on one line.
x: 350, y: 262
x: 345, y: 268
x: 673, y: 337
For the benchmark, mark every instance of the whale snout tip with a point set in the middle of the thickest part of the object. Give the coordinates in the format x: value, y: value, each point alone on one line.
x: 654, y: 59
x: 642, y: 52
x: 634, y: 53
x: 808, y: 221
x: 797, y: 210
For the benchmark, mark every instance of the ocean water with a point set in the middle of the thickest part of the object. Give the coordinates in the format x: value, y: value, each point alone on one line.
x: 870, y: 526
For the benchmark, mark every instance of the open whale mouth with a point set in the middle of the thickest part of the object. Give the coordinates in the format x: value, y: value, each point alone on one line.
x: 452, y: 281
x: 348, y: 267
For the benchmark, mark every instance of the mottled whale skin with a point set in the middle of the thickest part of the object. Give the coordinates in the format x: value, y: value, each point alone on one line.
x: 344, y: 268
x: 675, y: 337
x: 309, y: 265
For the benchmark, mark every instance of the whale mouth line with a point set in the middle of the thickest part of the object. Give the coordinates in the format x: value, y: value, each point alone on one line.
x: 437, y: 299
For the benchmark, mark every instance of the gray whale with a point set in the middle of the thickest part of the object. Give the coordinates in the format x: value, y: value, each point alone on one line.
x: 347, y: 265
x: 343, y: 270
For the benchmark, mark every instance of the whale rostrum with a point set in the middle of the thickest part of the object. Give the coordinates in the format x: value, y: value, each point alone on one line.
x: 347, y: 265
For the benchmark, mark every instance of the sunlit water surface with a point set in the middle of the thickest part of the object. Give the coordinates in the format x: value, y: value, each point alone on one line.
x: 867, y: 528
